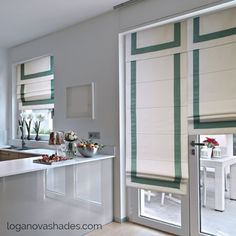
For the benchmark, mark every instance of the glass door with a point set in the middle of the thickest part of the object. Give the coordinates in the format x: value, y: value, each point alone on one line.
x: 173, y: 89
x: 163, y: 211
x: 212, y: 191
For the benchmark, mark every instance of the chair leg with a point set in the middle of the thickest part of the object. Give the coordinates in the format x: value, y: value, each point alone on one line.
x: 173, y: 198
x: 149, y: 196
x: 226, y: 181
x: 162, y: 198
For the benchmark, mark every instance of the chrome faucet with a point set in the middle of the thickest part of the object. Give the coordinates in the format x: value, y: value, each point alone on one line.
x: 21, y: 124
x: 22, y: 141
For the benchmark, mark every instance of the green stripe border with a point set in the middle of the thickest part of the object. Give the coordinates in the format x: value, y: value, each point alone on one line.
x: 175, y: 43
x: 196, y: 103
x: 38, y: 102
x: 177, y: 131
x: 39, y: 74
x: 214, y: 35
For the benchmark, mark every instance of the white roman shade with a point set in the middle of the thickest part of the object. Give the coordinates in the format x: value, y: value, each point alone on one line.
x: 35, y: 84
x: 212, y: 72
x: 156, y: 109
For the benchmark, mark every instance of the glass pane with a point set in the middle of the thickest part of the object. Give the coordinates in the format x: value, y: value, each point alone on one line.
x: 46, y: 124
x: 217, y: 194
x: 161, y: 206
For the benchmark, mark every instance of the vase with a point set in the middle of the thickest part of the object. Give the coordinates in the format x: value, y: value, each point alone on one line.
x: 37, y: 137
x: 70, y: 148
x: 206, y: 152
x: 209, y: 153
x: 216, y: 153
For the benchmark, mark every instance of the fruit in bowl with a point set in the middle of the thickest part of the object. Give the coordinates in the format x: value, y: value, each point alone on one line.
x: 88, y: 148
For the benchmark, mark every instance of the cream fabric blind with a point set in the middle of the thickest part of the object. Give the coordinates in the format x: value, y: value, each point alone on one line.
x: 212, y: 73
x: 156, y: 109
x: 180, y: 80
x: 35, y: 84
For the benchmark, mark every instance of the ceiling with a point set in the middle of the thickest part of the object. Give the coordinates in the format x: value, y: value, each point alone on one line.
x: 22, y: 21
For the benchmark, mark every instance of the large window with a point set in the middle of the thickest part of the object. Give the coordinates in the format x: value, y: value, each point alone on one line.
x: 35, y: 96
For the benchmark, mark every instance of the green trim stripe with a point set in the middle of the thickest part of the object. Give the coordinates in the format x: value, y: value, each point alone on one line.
x: 214, y: 35
x: 22, y: 88
x: 39, y: 74
x: 177, y: 131
x: 38, y: 102
x: 177, y: 116
x: 175, y: 43
x: 196, y: 104
x: 133, y: 120
x: 52, y: 89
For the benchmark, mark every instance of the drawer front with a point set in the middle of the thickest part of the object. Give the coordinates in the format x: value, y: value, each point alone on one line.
x: 3, y: 155
x: 12, y: 156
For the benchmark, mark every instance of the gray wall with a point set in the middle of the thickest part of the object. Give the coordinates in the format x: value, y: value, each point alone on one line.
x: 89, y: 52
x: 3, y: 95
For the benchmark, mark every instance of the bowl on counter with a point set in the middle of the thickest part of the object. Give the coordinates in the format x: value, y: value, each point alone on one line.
x: 88, y: 152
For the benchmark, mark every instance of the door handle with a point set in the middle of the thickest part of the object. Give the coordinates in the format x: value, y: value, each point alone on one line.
x: 193, y: 144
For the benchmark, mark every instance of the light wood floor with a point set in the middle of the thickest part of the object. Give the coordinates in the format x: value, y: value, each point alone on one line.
x: 124, y: 229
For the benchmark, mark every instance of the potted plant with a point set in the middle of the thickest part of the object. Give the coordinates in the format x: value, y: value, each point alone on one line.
x: 40, y: 118
x: 21, y: 127
x: 70, y: 138
x: 28, y: 122
x: 210, y: 143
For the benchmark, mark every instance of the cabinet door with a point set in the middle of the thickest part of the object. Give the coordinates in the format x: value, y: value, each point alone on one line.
x: 25, y: 155
x: 12, y: 155
x: 3, y: 155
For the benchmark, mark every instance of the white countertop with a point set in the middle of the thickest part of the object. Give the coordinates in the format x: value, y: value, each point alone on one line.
x: 20, y: 166
x: 4, y: 146
x: 34, y: 151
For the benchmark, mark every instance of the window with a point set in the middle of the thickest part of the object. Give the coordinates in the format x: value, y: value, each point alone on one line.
x: 35, y: 95
x: 46, y: 125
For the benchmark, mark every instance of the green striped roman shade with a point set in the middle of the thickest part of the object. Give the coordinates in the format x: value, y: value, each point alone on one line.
x: 156, y: 109
x: 212, y: 50
x: 35, y: 84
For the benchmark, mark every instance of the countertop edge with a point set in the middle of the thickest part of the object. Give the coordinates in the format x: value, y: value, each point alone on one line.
x: 26, y: 165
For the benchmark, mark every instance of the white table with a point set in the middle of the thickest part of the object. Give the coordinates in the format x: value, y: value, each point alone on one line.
x: 219, y: 164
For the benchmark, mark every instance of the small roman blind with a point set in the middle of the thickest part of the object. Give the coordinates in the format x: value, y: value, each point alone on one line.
x: 35, y: 84
x: 212, y: 70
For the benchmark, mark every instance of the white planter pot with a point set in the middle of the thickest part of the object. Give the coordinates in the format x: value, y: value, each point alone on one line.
x: 206, y: 152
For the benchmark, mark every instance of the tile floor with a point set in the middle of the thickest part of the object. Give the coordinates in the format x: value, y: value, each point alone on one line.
x: 126, y: 229
x: 215, y: 222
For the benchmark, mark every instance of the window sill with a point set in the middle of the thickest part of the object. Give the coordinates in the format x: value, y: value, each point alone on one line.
x: 31, y: 143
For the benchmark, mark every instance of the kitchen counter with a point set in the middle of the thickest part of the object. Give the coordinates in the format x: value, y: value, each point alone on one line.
x: 77, y: 191
x: 8, y: 153
x: 20, y: 166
